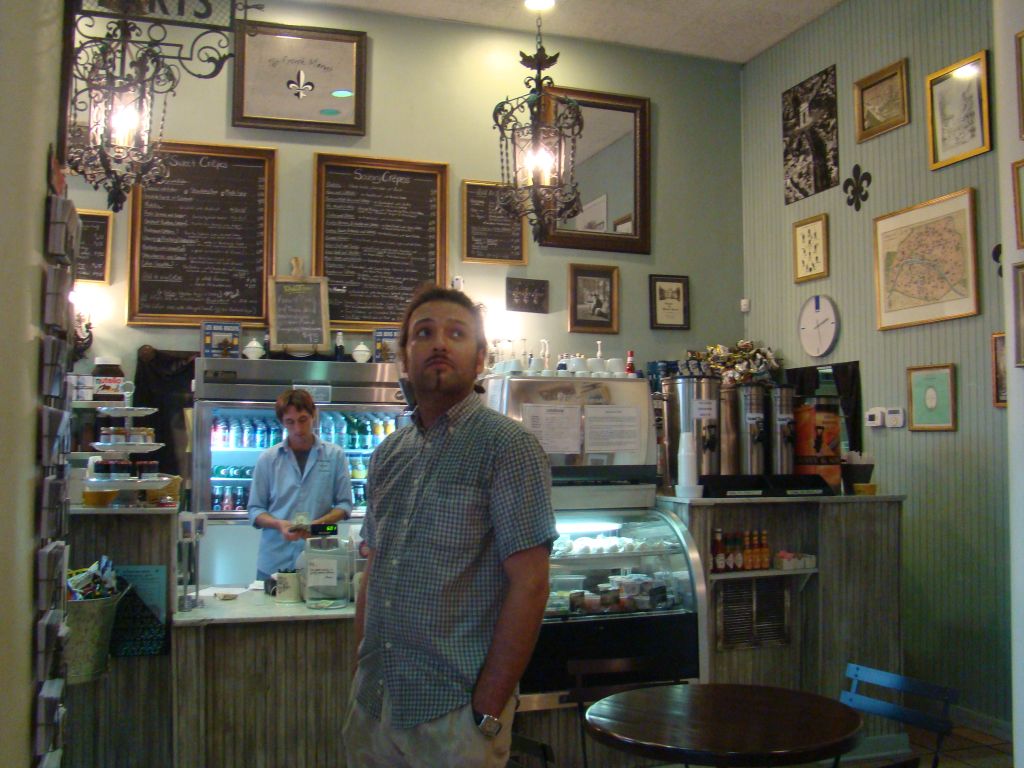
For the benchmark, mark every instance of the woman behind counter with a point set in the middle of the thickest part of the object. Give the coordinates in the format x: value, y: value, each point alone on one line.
x: 300, y: 480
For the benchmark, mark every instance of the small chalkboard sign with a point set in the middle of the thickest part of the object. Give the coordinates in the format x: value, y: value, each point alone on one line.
x: 93, y: 262
x: 298, y: 314
x: 489, y: 235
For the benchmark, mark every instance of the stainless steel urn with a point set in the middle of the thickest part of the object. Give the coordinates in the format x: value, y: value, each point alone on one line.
x: 752, y: 430
x: 691, y: 405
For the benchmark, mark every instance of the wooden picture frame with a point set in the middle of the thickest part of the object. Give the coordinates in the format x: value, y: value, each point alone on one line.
x: 999, y: 369
x: 380, y: 232
x: 489, y: 235
x: 925, y: 262
x: 593, y: 298
x: 525, y: 295
x: 1020, y: 80
x: 1018, y: 313
x: 299, y: 78
x: 299, y: 319
x: 94, y: 245
x: 931, y: 398
x: 810, y: 248
x: 623, y: 225
x: 669, y: 301
x: 880, y: 101
x: 1017, y: 178
x: 958, y: 120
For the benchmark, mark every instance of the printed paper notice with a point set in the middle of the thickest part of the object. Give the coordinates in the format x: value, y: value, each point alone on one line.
x: 557, y: 427
x: 610, y: 428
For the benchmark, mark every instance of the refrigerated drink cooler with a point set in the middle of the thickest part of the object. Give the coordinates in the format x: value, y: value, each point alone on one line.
x: 626, y: 578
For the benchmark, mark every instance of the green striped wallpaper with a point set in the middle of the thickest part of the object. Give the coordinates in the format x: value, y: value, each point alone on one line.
x: 955, y: 569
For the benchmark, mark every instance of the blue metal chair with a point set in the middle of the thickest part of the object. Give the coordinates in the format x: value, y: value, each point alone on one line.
x: 940, y: 725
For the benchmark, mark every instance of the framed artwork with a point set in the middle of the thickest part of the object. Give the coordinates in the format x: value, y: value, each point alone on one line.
x: 1018, y: 312
x: 489, y: 235
x: 1020, y: 81
x: 299, y: 78
x: 957, y: 101
x: 593, y: 298
x: 999, y: 369
x: 1017, y: 175
x: 524, y: 295
x: 669, y: 301
x: 925, y: 264
x: 594, y: 217
x: 880, y: 101
x: 624, y: 225
x: 810, y: 136
x: 810, y: 248
x: 931, y: 392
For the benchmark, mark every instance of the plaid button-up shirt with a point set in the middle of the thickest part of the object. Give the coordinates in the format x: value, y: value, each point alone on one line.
x: 446, y: 506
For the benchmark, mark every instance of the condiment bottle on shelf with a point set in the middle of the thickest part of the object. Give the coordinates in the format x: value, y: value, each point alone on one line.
x: 630, y: 364
x: 717, y: 552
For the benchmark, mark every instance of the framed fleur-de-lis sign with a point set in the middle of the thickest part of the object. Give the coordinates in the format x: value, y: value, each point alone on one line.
x: 299, y: 78
x: 810, y: 248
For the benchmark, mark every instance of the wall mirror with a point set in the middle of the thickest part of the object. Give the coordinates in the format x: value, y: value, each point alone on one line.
x: 613, y: 170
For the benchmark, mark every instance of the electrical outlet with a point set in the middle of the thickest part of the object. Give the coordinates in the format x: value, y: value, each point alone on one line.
x: 744, y: 304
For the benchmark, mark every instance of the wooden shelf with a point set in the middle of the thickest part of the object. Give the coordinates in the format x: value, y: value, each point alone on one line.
x: 761, y: 573
x: 83, y: 510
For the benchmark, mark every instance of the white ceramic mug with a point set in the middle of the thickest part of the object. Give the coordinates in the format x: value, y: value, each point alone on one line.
x: 537, y: 365
x: 577, y: 364
x: 595, y: 364
x: 615, y: 365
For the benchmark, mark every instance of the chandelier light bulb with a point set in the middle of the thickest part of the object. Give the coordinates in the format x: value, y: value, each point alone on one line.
x: 124, y: 123
x: 536, y: 6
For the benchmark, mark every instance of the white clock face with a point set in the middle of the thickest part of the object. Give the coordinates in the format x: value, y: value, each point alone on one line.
x: 819, y: 325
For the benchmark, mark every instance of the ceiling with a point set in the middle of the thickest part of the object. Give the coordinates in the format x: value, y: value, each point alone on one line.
x: 727, y: 30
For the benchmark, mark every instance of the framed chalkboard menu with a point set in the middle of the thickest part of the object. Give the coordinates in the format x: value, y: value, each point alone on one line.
x: 203, y: 240
x: 93, y: 262
x: 380, y: 232
x: 489, y: 235
x: 298, y: 314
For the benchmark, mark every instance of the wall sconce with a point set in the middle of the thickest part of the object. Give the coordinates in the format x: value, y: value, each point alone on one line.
x: 538, y: 134
x: 83, y: 336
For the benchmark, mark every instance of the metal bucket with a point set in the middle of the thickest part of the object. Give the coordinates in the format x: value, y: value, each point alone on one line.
x: 783, y: 435
x: 90, y: 624
x: 818, y: 434
x: 752, y: 432
x: 691, y: 405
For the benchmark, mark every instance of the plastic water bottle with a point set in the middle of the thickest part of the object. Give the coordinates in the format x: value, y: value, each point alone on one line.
x: 341, y: 430
x: 273, y: 434
x: 261, y: 434
x: 248, y: 434
x: 235, y: 434
x: 327, y: 427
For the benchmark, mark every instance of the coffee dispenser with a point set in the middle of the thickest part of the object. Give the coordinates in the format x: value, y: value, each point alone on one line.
x: 752, y: 432
x: 691, y: 405
x: 783, y: 435
x: 728, y: 427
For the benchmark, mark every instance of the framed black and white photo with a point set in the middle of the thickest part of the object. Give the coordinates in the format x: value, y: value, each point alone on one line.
x: 669, y: 301
x: 299, y: 78
x: 524, y: 295
x: 957, y: 101
x: 593, y: 298
x: 810, y: 136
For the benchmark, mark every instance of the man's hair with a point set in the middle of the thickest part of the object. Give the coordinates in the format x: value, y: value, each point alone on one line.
x: 430, y: 292
x: 299, y: 398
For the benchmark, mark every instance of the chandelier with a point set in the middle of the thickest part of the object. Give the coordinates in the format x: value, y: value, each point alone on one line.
x: 537, y: 135
x: 124, y: 66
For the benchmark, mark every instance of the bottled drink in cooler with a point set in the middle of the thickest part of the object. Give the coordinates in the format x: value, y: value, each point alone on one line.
x: 215, y: 498
x: 227, y: 502
x: 366, y: 434
x: 248, y: 434
x: 261, y: 434
x: 273, y: 434
x: 216, y: 434
x: 326, y: 427
x: 341, y: 430
x: 389, y: 425
x: 378, y: 432
x: 234, y: 434
x: 241, y: 497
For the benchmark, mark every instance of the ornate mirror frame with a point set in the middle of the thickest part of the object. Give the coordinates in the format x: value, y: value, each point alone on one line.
x: 639, y: 239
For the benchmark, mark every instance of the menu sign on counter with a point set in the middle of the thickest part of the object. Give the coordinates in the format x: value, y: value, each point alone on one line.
x: 298, y: 314
x: 93, y: 262
x: 202, y: 241
x: 489, y: 235
x: 380, y: 233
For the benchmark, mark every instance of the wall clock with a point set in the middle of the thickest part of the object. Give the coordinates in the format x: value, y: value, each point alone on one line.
x: 818, y: 325
x: 810, y: 248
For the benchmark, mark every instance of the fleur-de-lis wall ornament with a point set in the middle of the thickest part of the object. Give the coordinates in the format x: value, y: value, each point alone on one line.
x: 856, y: 187
x: 300, y: 86
x: 997, y: 257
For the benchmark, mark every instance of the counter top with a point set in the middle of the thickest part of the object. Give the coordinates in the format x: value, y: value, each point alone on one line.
x: 255, y: 607
x: 782, y: 500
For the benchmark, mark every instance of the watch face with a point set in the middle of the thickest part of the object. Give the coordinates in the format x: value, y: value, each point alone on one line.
x: 818, y: 325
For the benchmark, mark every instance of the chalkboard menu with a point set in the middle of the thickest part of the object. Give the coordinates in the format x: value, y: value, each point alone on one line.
x: 93, y: 262
x: 202, y: 241
x: 380, y: 233
x: 298, y: 314
x: 489, y: 235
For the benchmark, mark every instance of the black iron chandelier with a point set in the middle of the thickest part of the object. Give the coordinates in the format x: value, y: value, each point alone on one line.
x: 124, y: 66
x: 538, y: 133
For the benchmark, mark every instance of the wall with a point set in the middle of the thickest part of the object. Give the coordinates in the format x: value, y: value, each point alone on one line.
x: 432, y: 88
x: 28, y: 89
x: 955, y: 567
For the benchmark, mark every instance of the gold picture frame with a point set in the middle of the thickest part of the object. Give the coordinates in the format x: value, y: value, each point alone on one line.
x: 593, y: 298
x: 999, y: 369
x: 810, y: 248
x: 880, y: 101
x: 931, y: 398
x: 925, y: 262
x: 1017, y: 177
x: 958, y: 121
x: 1020, y: 80
x: 1018, y: 313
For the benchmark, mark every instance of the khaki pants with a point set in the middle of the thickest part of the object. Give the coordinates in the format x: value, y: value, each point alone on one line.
x: 450, y: 741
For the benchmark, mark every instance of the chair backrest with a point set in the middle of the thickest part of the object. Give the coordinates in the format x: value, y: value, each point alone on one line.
x: 939, y: 724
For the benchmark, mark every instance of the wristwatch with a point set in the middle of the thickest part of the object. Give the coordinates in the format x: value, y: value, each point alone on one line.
x: 488, y: 725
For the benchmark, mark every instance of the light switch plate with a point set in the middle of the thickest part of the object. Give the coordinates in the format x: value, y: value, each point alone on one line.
x: 874, y: 417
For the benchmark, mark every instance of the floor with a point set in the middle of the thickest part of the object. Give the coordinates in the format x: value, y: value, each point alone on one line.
x: 964, y: 748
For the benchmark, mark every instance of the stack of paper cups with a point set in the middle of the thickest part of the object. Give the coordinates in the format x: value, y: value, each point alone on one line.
x: 687, y: 486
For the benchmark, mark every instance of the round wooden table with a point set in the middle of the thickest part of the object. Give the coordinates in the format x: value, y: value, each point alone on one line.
x: 725, y: 725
